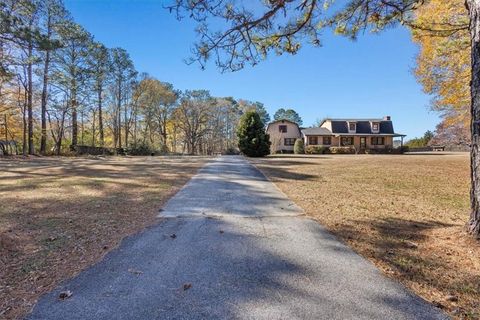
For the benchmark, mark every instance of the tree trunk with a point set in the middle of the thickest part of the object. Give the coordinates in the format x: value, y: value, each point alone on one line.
x: 31, y: 149
x: 93, y: 128
x: 82, y: 127
x: 43, y: 137
x: 474, y: 12
x: 24, y: 120
x: 100, y: 118
x: 74, y: 115
x: 164, y: 134
x: 119, y: 128
x: 126, y: 122
x: 119, y: 114
x: 135, y: 128
x: 60, y: 135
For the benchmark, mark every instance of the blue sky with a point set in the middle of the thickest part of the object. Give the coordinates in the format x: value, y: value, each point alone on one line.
x: 370, y: 77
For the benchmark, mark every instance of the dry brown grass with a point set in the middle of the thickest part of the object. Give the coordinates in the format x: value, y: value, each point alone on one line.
x: 60, y: 215
x: 404, y: 213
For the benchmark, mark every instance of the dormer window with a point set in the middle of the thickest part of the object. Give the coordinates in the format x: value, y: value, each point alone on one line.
x: 352, y: 127
x: 375, y: 127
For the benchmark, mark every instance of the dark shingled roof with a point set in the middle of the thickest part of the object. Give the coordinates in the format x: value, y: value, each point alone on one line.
x: 363, y: 126
x: 316, y: 131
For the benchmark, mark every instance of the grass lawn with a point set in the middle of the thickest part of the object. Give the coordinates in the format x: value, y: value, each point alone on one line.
x: 60, y: 215
x: 405, y: 213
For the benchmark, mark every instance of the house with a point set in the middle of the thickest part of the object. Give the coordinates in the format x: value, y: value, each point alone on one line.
x: 283, y: 134
x: 360, y: 134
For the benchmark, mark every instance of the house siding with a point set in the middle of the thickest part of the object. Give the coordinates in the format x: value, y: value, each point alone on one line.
x: 388, y: 141
x: 277, y: 138
x: 320, y: 141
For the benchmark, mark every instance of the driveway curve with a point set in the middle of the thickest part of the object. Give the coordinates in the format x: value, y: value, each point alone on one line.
x: 230, y: 245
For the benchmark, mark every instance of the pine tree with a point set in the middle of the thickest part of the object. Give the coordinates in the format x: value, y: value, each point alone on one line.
x: 288, y: 114
x: 252, y: 139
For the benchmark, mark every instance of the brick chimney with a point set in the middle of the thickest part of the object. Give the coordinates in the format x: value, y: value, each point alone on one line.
x: 387, y: 118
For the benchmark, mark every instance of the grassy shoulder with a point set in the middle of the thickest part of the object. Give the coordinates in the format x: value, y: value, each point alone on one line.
x: 405, y: 213
x: 60, y: 215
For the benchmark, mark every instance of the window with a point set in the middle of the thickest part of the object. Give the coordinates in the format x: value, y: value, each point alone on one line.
x: 282, y: 128
x: 312, y: 140
x: 378, y: 141
x: 346, y: 141
x: 289, y: 141
x: 375, y: 127
x: 327, y: 141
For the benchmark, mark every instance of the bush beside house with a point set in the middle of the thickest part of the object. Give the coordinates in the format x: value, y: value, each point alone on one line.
x: 317, y: 150
x: 343, y: 150
x: 352, y: 150
x: 299, y: 147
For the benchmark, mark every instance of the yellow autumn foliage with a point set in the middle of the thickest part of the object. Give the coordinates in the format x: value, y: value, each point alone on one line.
x: 443, y: 62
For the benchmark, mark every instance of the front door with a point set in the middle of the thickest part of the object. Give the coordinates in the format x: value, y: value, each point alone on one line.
x: 363, y: 142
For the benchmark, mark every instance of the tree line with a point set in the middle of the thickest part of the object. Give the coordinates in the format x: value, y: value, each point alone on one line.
x: 60, y: 89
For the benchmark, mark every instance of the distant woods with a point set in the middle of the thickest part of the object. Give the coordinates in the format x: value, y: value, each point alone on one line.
x: 60, y: 89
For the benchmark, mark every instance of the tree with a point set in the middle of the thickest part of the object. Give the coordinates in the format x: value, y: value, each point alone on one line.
x: 53, y: 14
x: 156, y: 101
x: 252, y: 139
x: 124, y: 73
x: 453, y: 135
x: 245, y: 105
x: 222, y: 125
x: 299, y: 147
x: 249, y: 36
x: 100, y: 67
x: 48, y: 60
x: 28, y: 42
x: 421, y: 142
x: 70, y: 71
x: 192, y: 117
x: 262, y: 112
x: 443, y: 62
x: 288, y: 114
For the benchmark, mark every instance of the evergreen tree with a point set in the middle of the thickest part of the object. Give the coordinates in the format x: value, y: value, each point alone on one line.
x: 252, y: 139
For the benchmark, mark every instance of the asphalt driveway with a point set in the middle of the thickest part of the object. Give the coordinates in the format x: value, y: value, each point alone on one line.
x: 230, y: 245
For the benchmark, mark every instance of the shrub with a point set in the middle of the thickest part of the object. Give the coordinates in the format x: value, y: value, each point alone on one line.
x: 342, y: 150
x: 299, y: 147
x: 386, y: 150
x: 231, y: 151
x: 317, y: 150
x: 142, y: 150
x: 252, y: 139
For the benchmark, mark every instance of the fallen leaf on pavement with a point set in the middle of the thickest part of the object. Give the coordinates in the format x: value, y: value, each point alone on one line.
x: 65, y: 294
x: 134, y: 271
